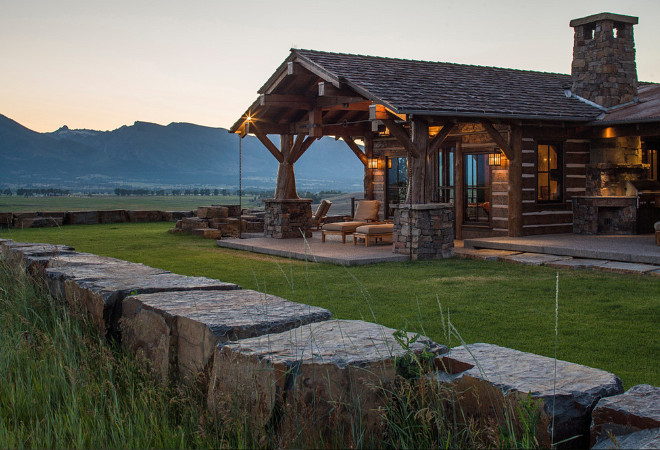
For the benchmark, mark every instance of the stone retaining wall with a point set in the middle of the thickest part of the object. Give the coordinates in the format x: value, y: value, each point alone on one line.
x: 36, y: 219
x: 264, y: 357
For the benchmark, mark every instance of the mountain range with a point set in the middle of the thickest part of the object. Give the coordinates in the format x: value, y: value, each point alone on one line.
x: 176, y: 154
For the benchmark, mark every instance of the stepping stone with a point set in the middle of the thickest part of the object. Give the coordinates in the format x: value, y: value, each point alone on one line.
x: 636, y: 409
x: 100, y: 284
x: 644, y: 439
x: 494, y: 378
x: 624, y: 267
x: 485, y: 254
x: 332, y: 374
x: 577, y: 263
x: 533, y: 259
x: 190, y: 324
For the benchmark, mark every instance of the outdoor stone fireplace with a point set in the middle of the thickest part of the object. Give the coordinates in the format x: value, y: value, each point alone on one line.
x: 289, y: 218
x: 607, y: 207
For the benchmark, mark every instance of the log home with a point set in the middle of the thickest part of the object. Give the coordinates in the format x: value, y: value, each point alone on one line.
x: 512, y: 152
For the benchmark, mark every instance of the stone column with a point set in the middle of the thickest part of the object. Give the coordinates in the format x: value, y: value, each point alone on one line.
x: 288, y: 218
x: 424, y: 231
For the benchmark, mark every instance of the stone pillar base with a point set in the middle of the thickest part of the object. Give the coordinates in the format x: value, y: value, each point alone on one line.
x: 424, y: 231
x: 288, y: 218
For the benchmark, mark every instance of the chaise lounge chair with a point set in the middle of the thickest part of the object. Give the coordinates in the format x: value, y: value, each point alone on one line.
x: 319, y: 215
x: 366, y: 211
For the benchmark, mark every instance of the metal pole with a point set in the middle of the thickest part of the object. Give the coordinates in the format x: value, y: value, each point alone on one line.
x: 240, y: 185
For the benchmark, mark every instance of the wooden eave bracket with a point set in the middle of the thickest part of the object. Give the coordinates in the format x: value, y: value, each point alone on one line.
x: 437, y: 141
x: 269, y: 145
x: 302, y: 148
x: 498, y: 138
x: 356, y: 149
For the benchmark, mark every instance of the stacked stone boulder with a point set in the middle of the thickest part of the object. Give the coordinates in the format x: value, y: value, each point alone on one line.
x: 494, y: 380
x: 289, y: 369
x: 217, y: 221
x: 38, y: 219
x: 628, y: 420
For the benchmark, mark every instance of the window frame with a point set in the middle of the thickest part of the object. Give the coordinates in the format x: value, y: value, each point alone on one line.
x: 560, y: 167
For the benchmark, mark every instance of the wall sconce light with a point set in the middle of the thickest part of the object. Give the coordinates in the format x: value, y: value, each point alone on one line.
x: 389, y: 163
x: 372, y: 163
x: 495, y: 158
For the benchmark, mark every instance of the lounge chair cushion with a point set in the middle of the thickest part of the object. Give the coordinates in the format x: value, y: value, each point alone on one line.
x: 367, y: 210
x: 346, y: 227
x: 381, y: 228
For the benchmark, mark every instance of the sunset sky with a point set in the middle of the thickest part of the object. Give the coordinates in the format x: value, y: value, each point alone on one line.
x: 100, y: 65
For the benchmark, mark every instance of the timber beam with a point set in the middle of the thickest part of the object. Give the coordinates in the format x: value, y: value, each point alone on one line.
x: 285, y: 101
x: 330, y: 90
x: 355, y: 148
x: 498, y: 138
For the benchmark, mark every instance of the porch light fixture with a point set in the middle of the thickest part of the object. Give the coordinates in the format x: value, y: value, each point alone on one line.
x: 495, y: 158
x: 372, y: 163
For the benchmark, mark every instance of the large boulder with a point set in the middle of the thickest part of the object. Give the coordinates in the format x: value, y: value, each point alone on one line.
x: 639, y: 440
x: 100, y: 284
x: 316, y: 380
x: 212, y: 212
x: 494, y: 380
x: 177, y: 332
x: 636, y: 409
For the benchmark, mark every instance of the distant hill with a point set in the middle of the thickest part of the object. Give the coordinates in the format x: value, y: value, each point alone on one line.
x: 179, y: 153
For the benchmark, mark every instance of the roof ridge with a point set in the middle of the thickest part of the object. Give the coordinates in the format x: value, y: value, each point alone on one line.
x: 427, y: 61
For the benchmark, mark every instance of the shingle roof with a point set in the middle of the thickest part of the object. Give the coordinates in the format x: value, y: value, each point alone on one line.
x: 647, y: 109
x: 438, y: 88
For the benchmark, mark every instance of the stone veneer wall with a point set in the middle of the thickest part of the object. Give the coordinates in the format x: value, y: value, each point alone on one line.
x: 288, y: 218
x: 424, y: 231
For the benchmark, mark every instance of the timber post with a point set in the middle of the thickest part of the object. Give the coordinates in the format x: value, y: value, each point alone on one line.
x: 286, y: 179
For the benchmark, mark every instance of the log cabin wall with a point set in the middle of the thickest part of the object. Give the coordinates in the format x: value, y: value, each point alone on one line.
x: 551, y: 218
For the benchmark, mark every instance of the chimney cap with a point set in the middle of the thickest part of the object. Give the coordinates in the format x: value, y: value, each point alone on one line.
x: 604, y: 16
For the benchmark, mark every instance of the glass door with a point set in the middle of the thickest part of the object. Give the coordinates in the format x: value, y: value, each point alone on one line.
x: 397, y: 181
x: 476, y: 201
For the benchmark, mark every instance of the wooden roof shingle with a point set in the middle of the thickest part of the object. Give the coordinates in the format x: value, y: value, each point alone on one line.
x: 438, y: 88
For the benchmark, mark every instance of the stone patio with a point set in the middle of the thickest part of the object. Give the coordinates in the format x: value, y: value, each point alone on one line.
x: 312, y: 249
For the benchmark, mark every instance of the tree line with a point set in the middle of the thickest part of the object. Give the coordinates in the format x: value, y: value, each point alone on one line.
x: 36, y: 192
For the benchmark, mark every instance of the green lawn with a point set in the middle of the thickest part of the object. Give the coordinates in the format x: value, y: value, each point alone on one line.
x: 609, y: 321
x: 101, y: 202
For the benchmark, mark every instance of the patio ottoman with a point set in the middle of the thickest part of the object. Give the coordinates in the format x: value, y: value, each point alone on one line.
x: 339, y: 228
x: 375, y: 231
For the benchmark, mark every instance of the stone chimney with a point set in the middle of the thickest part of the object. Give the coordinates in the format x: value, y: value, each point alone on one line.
x: 604, y: 69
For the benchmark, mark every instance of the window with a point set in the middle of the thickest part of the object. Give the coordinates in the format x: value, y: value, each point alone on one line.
x: 550, y: 176
x: 446, y: 174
